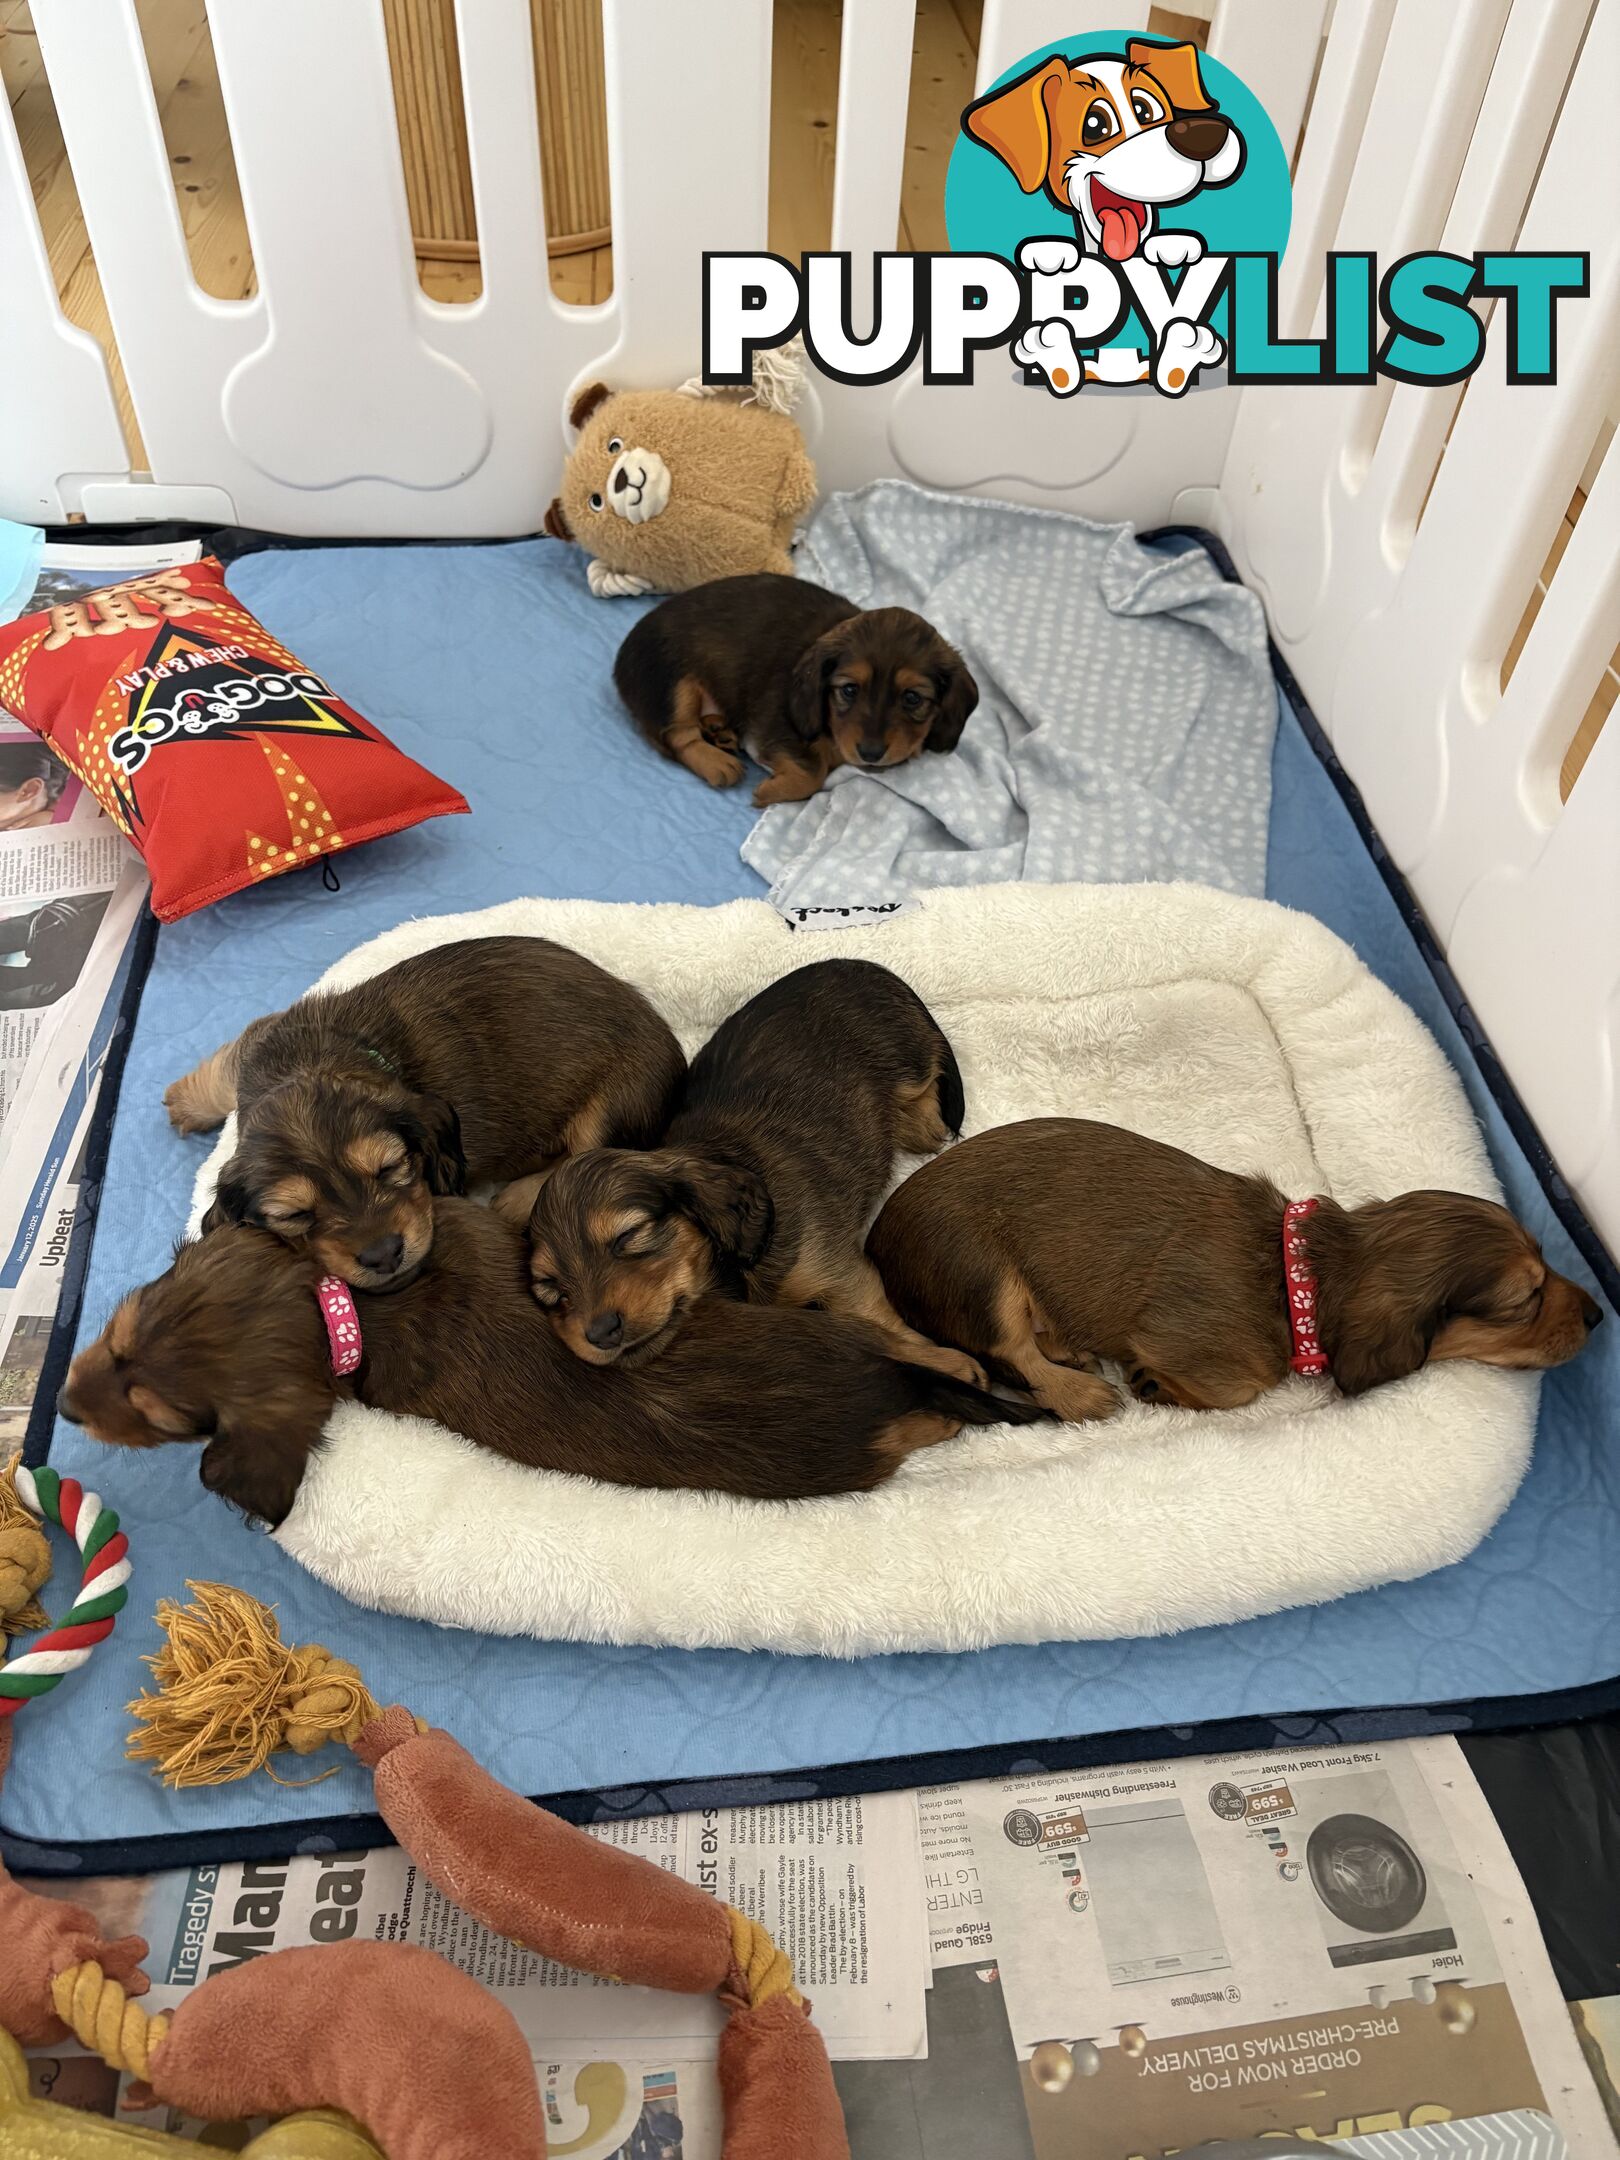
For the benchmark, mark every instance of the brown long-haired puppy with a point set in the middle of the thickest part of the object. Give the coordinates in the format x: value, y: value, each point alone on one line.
x: 799, y: 677
x: 229, y: 1348
x: 787, y: 1132
x: 1045, y: 1245
x: 477, y: 1061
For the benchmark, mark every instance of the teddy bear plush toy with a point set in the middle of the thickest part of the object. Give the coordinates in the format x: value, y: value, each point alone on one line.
x: 666, y: 489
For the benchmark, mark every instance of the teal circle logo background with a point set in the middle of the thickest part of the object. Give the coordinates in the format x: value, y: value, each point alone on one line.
x: 988, y: 213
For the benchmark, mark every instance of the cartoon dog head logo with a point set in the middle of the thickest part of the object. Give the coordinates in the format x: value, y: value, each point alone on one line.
x: 1111, y: 140
x: 1102, y: 168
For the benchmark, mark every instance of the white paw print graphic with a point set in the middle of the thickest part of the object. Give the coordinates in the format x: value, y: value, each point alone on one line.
x: 1050, y: 257
x: 1173, y: 250
x: 1183, y: 350
x: 1050, y: 347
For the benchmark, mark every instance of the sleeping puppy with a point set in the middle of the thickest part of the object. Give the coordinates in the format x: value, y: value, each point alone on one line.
x: 1043, y: 1246
x: 230, y: 1348
x: 476, y: 1061
x: 786, y: 1135
x: 799, y: 677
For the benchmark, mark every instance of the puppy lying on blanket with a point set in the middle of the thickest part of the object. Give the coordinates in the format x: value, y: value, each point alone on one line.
x: 1044, y: 1246
x: 233, y: 1348
x: 797, y: 676
x: 474, y: 1062
x: 787, y: 1133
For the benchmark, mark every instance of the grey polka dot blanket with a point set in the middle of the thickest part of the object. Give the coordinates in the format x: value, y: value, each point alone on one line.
x: 1125, y: 718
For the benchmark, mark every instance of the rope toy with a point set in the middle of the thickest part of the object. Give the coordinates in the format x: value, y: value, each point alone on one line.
x: 230, y: 1693
x: 103, y: 1552
x: 371, y: 2027
x: 25, y: 1562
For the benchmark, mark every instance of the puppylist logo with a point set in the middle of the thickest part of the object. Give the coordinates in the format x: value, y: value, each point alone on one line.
x: 1117, y: 208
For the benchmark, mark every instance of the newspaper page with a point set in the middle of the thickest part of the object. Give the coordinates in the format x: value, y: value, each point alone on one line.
x: 71, y: 893
x: 1331, y: 1943
x: 837, y: 1882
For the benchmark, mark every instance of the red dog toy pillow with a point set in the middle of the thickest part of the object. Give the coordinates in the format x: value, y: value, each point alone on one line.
x: 220, y: 755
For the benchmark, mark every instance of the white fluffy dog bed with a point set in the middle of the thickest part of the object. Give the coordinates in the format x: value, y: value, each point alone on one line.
x: 1239, y: 1030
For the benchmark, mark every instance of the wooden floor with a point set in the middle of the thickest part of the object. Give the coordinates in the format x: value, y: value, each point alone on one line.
x: 804, y: 106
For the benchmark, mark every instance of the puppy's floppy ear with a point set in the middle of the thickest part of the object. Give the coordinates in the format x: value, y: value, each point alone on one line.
x: 731, y: 1207
x: 1382, y: 1342
x: 555, y: 523
x: 433, y: 1129
x: 257, y: 1469
x: 1016, y: 123
x: 232, y: 1197
x: 958, y: 695
x: 1175, y: 69
x: 586, y: 403
x: 807, y: 685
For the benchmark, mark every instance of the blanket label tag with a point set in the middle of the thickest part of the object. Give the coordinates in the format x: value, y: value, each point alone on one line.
x: 858, y: 915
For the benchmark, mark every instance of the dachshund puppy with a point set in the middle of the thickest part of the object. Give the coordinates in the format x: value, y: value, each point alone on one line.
x: 230, y: 1348
x: 786, y: 1135
x: 476, y: 1061
x: 799, y: 677
x: 1043, y: 1246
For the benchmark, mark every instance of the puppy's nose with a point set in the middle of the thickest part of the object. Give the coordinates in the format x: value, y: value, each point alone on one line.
x: 1197, y: 135
x: 871, y: 752
x: 1591, y: 1312
x: 383, y: 1255
x: 64, y: 1409
x: 606, y: 1331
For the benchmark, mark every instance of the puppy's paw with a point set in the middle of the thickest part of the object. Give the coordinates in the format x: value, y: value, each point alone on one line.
x: 514, y: 1203
x: 1183, y: 350
x: 781, y: 787
x: 716, y: 767
x: 1050, y: 347
x: 1049, y: 257
x: 1173, y: 250
x: 1078, y: 1398
x: 959, y: 1365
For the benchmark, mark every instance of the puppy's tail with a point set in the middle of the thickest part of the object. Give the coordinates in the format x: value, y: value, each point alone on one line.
x: 952, y: 1398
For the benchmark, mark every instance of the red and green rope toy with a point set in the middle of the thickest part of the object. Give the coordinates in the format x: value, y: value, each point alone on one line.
x: 104, y: 1551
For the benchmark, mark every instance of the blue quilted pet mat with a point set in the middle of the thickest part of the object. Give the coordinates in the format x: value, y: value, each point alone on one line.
x: 492, y: 665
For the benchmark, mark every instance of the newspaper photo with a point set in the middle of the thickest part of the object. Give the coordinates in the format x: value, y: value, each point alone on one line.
x: 1333, y: 1944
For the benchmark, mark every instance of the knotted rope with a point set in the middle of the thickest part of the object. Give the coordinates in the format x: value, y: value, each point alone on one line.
x: 25, y: 1561
x: 230, y: 1693
x: 103, y: 2017
x: 761, y: 1970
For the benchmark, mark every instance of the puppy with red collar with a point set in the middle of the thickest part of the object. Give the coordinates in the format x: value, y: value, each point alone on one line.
x: 1042, y: 1247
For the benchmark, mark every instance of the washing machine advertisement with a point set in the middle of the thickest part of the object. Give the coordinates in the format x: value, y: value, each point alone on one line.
x: 1191, y: 1897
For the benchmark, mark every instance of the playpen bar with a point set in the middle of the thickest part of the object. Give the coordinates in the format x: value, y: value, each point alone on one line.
x: 58, y: 418
x: 874, y: 82
x: 1516, y: 118
x: 1328, y: 152
x: 503, y: 155
x: 1570, y: 643
x: 1273, y: 49
x: 176, y: 343
x: 1012, y: 28
x: 688, y: 106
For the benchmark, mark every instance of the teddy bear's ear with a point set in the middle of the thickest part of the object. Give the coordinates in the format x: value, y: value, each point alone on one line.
x: 586, y: 403
x: 555, y: 523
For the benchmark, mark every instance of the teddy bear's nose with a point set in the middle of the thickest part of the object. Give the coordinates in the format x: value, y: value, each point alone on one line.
x: 621, y: 480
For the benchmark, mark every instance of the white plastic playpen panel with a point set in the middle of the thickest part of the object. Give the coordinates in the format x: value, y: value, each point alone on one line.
x: 1394, y: 533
